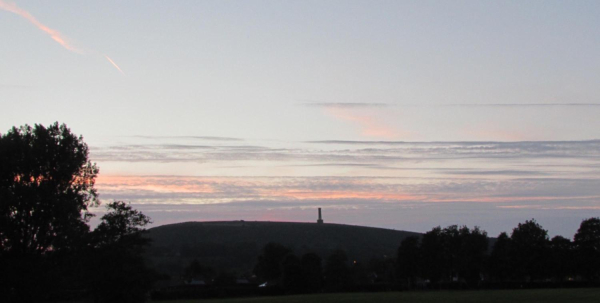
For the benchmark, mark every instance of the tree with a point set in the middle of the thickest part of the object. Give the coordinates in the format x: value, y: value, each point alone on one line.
x: 561, y: 258
x: 529, y: 250
x: 293, y: 277
x: 587, y: 243
x: 499, y: 263
x: 118, y: 272
x: 409, y: 255
x: 434, y: 265
x: 195, y: 270
x: 313, y: 271
x: 472, y: 254
x: 46, y: 187
x: 269, y: 266
x: 454, y: 253
x: 337, y: 273
x: 121, y: 225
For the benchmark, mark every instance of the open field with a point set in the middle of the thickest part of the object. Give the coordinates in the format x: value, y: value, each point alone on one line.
x: 488, y: 296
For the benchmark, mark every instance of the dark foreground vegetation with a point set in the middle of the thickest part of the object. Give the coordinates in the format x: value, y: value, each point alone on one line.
x: 47, y: 250
x: 49, y: 253
x: 234, y: 246
x: 451, y: 258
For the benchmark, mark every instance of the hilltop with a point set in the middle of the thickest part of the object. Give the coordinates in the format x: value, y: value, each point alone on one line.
x: 235, y: 245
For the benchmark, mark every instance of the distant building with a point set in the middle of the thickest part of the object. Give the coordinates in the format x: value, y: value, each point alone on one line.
x: 320, y: 220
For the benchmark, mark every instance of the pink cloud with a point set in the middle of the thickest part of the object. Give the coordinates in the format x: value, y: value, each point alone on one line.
x: 369, y: 125
x: 341, y: 194
x: 54, y: 34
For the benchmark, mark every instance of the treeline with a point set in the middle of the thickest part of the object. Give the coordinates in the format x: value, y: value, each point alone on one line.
x: 460, y: 256
x: 443, y: 258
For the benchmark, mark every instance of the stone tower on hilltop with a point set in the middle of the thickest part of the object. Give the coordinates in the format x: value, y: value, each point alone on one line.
x: 320, y: 220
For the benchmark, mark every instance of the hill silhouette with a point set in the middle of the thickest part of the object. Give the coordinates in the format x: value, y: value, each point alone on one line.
x: 235, y: 245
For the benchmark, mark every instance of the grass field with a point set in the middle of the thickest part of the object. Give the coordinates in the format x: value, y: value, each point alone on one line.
x: 487, y: 296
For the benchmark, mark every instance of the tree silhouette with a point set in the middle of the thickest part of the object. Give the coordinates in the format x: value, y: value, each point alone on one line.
x: 529, y: 250
x: 499, y: 262
x: 293, y: 276
x: 269, y: 266
x: 46, y: 187
x: 472, y: 254
x: 561, y: 258
x: 434, y: 264
x: 195, y: 270
x: 313, y: 271
x: 118, y: 270
x: 337, y: 273
x: 409, y: 260
x: 587, y: 243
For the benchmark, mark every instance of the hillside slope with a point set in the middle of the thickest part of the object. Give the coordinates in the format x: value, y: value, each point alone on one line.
x: 235, y: 245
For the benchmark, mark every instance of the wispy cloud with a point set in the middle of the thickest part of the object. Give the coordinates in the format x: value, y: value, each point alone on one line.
x: 521, y: 105
x: 363, y: 153
x: 393, y: 181
x: 419, y: 204
x: 54, y: 34
x: 208, y: 138
x: 369, y: 125
x: 426, y: 190
x: 114, y: 64
x: 350, y: 105
x: 495, y: 172
x: 542, y: 207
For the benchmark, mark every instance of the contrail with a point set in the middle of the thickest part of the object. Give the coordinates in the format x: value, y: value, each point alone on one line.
x: 114, y: 64
x: 54, y: 34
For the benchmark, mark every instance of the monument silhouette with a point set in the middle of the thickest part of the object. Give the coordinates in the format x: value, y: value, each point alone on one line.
x: 320, y: 220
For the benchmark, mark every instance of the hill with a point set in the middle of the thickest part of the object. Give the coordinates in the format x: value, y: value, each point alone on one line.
x: 235, y: 245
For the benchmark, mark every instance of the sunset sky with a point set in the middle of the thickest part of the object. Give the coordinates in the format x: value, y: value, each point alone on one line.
x: 395, y: 114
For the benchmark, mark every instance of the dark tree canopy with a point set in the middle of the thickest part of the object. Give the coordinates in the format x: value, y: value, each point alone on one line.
x: 46, y: 187
x: 313, y: 271
x: 561, y: 258
x: 409, y: 259
x: 529, y: 250
x: 121, y: 223
x: 337, y: 273
x: 46, y: 248
x: 196, y: 271
x: 117, y: 267
x: 454, y: 253
x: 471, y: 256
x: 587, y: 243
x: 432, y: 254
x: 269, y: 265
x: 499, y: 261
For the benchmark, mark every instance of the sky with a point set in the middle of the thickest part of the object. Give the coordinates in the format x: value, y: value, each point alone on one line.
x: 395, y: 114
